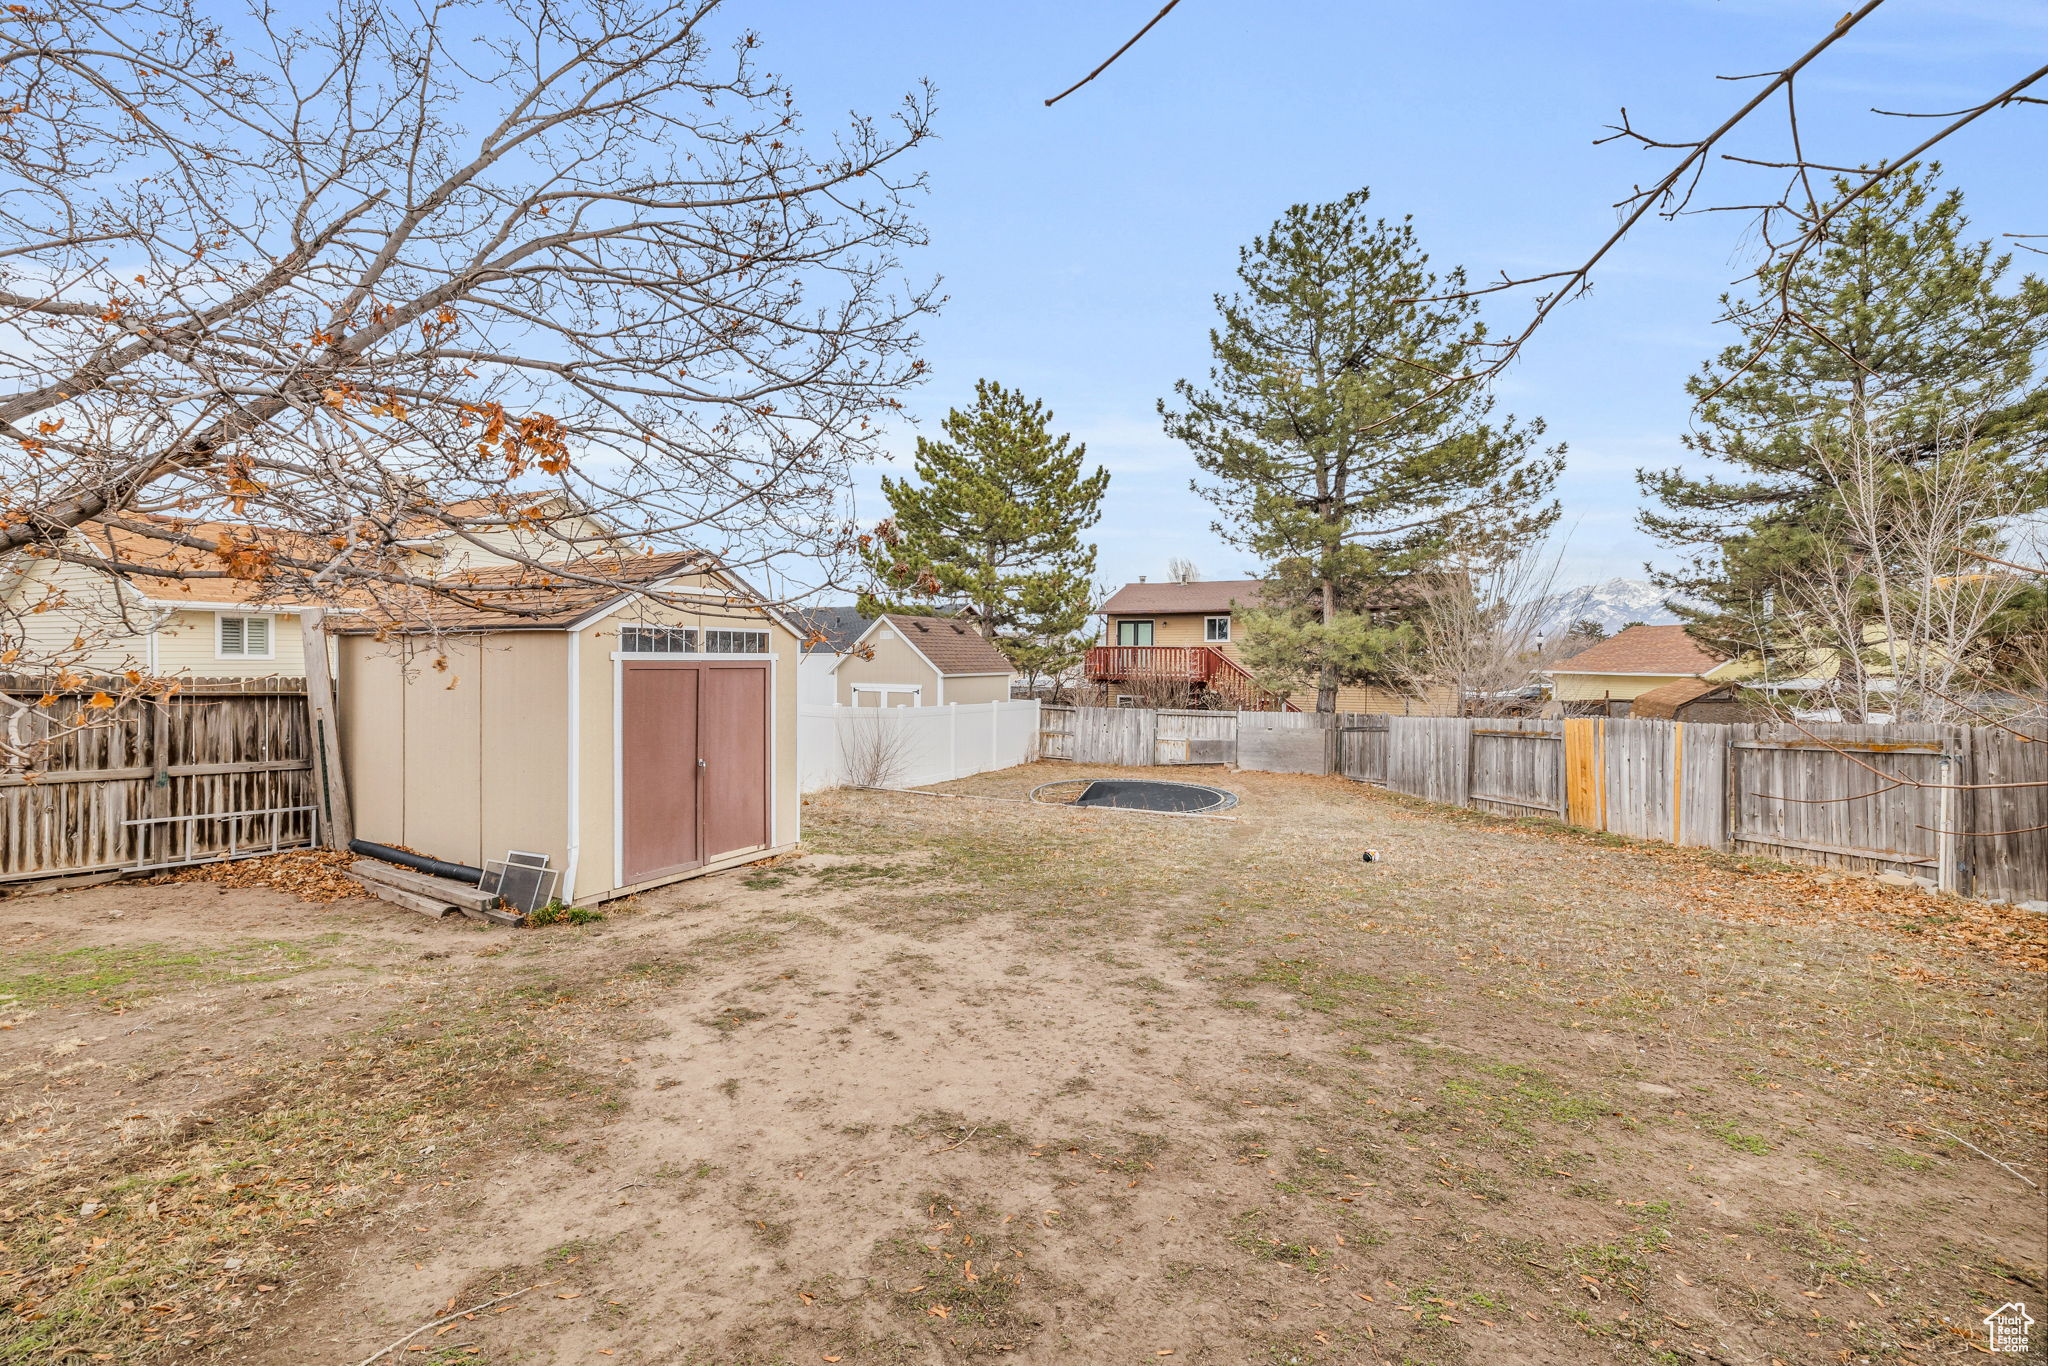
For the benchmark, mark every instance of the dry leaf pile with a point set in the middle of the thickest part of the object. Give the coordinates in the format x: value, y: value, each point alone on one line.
x: 319, y: 875
x: 2017, y: 938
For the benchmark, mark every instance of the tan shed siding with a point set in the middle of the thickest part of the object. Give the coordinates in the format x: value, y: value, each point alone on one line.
x: 370, y: 692
x: 894, y: 662
x: 524, y: 760
x: 443, y: 761
x: 978, y: 688
x: 1571, y: 687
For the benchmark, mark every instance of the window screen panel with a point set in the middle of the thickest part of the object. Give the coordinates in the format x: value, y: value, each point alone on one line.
x: 231, y: 635
x: 256, y: 636
x: 736, y: 642
x: 657, y: 640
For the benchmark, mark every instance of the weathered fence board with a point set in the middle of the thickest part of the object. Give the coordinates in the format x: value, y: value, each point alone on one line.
x: 1195, y: 737
x: 213, y: 769
x: 1965, y: 816
x: 1515, y: 768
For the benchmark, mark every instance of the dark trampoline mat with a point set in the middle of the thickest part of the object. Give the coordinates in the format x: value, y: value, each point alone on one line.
x: 1143, y: 795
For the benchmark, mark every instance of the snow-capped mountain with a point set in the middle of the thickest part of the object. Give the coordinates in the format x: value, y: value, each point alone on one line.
x: 1614, y: 604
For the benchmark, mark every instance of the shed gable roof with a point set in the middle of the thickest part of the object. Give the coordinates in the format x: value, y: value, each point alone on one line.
x: 948, y: 644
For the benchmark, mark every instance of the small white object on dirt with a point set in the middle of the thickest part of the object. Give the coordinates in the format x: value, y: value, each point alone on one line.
x: 1371, y: 856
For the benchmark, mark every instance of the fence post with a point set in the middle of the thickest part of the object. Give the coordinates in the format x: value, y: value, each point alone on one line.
x: 333, y: 783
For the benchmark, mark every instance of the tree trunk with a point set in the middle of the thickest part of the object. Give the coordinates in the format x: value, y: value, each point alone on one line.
x: 1326, y: 679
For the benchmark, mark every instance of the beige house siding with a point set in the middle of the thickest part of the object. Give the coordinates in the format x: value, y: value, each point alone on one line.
x: 188, y: 643
x: 893, y: 662
x: 1571, y: 687
x: 114, y: 625
x: 966, y: 688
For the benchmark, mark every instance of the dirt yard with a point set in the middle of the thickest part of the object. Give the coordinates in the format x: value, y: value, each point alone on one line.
x: 976, y: 1080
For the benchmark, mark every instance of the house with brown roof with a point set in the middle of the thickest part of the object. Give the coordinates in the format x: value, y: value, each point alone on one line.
x: 1633, y: 662
x: 209, y: 611
x: 902, y: 660
x: 1176, y: 644
x: 216, y: 625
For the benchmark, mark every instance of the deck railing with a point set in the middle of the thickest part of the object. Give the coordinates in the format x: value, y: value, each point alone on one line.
x: 1198, y: 665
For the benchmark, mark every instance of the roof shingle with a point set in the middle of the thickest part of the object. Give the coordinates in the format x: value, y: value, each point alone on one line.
x: 1645, y: 650
x: 952, y: 645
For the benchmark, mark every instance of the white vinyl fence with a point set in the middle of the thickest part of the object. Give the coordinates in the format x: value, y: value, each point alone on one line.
x: 911, y: 746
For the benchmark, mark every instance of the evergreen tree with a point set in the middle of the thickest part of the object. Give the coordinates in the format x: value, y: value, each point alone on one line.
x: 1897, y: 319
x: 1339, y: 453
x: 992, y: 527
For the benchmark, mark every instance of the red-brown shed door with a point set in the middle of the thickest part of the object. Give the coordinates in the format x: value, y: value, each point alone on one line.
x: 732, y: 739
x: 658, y: 710
x: 694, y: 764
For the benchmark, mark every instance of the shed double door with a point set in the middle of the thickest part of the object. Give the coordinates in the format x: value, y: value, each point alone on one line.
x: 693, y: 764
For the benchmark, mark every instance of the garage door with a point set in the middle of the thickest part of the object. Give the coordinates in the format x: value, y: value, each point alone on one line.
x: 693, y: 764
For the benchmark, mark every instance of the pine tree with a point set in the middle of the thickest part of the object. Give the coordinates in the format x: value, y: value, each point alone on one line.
x: 1896, y: 320
x: 993, y: 527
x: 1340, y: 456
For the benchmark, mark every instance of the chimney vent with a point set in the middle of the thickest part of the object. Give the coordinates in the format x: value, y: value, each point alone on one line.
x: 1141, y: 578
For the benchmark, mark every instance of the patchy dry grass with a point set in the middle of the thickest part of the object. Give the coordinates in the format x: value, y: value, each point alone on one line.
x: 978, y: 1081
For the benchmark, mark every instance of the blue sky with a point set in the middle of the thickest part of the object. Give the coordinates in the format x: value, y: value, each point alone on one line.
x: 1081, y: 245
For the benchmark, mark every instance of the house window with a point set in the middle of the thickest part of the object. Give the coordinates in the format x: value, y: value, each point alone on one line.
x: 1216, y: 630
x: 657, y: 640
x: 1134, y: 633
x: 237, y: 637
x: 736, y: 642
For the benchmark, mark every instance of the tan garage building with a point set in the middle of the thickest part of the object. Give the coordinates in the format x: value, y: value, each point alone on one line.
x: 910, y: 661
x: 634, y: 737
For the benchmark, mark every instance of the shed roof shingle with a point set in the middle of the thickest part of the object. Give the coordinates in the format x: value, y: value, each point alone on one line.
x: 951, y: 644
x: 1645, y: 650
x: 550, y: 600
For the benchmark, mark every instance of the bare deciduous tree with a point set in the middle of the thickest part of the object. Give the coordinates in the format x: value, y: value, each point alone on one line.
x: 359, y: 273
x: 1896, y: 622
x: 1483, y: 635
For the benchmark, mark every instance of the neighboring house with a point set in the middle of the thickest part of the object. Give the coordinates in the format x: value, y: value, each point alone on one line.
x: 1631, y: 663
x: 908, y: 661
x: 632, y: 739
x: 218, y: 627
x: 159, y: 624
x: 1159, y: 638
x: 829, y: 632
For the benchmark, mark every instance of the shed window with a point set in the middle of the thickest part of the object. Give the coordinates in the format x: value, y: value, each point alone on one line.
x: 1216, y: 630
x: 239, y: 637
x: 1134, y: 633
x: 736, y: 642
x: 657, y: 640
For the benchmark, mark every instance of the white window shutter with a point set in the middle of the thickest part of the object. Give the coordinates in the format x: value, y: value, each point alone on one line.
x: 231, y: 638
x: 256, y: 635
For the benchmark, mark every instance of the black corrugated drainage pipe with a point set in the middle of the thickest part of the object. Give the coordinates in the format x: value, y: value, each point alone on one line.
x: 454, y: 872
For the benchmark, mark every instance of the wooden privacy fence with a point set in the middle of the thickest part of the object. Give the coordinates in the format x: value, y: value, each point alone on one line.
x: 223, y: 767
x: 1965, y: 807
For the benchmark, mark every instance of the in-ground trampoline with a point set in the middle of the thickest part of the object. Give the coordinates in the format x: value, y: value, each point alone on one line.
x: 1135, y: 794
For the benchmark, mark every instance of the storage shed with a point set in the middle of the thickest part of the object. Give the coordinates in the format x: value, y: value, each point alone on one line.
x: 902, y: 660
x: 635, y: 737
